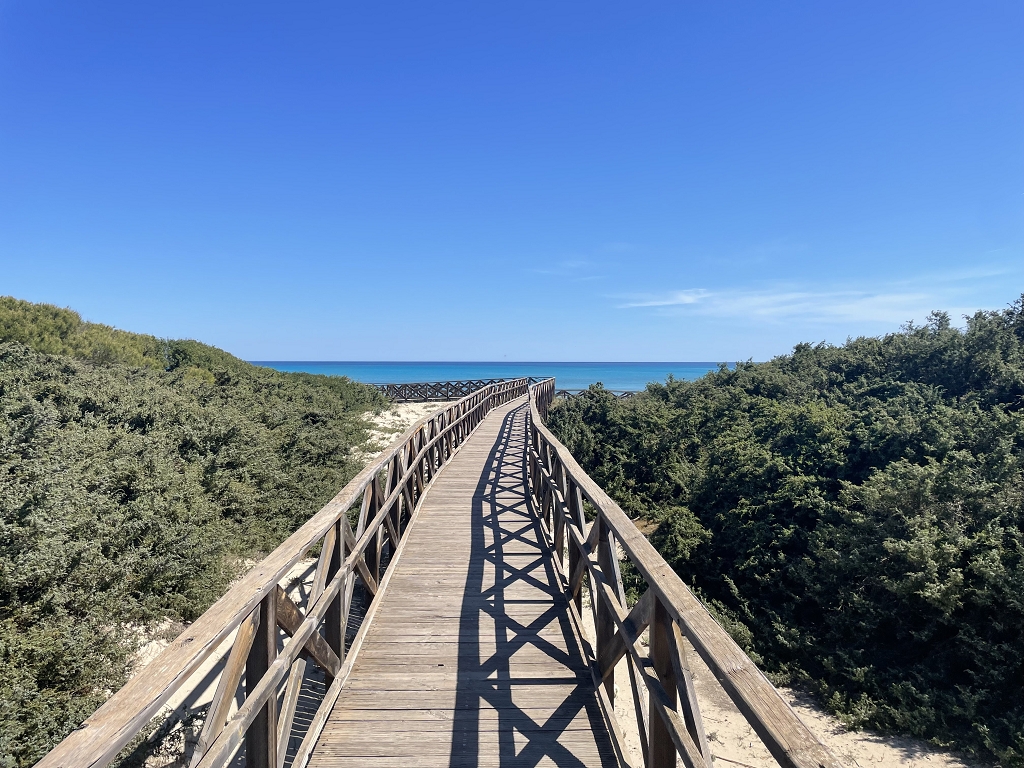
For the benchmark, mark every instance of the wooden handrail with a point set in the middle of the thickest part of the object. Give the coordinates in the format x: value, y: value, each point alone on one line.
x: 672, y: 724
x: 388, y: 492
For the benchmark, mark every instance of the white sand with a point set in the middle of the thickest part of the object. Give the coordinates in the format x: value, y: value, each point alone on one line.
x: 733, y: 742
x: 389, y: 424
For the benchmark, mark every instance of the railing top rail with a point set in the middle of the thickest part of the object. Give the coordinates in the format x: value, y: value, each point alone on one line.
x: 785, y: 735
x: 115, y: 723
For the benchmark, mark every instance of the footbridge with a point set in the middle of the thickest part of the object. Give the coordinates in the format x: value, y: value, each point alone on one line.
x: 459, y: 603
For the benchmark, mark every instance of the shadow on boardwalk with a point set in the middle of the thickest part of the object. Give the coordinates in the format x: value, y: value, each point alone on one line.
x: 511, y: 590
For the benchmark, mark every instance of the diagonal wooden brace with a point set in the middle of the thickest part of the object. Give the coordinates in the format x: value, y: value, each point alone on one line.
x: 586, y: 550
x: 687, y: 691
x: 290, y: 618
x: 350, y: 543
x: 226, y: 686
x: 629, y: 632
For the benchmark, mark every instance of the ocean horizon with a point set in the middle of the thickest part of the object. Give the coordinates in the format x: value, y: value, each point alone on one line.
x: 617, y: 376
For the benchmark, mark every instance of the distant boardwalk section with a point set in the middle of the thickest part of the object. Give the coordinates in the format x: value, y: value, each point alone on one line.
x: 434, y: 391
x: 442, y: 391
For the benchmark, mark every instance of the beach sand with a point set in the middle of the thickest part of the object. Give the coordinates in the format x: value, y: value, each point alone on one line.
x: 387, y: 425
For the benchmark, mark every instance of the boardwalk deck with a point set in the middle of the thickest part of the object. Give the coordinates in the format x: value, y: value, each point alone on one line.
x: 472, y: 659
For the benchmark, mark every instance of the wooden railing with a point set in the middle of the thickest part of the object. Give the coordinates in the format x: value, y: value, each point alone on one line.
x: 433, y: 391
x: 670, y: 725
x: 250, y: 616
x: 439, y: 391
x: 621, y: 394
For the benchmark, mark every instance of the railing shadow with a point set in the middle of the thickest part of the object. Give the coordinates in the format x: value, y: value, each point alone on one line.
x: 515, y: 633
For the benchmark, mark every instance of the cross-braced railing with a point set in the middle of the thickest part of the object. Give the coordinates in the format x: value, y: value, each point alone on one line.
x: 621, y: 394
x: 257, y: 611
x: 430, y: 391
x: 670, y: 724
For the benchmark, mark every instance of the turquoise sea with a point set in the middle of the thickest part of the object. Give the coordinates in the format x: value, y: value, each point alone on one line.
x: 622, y: 376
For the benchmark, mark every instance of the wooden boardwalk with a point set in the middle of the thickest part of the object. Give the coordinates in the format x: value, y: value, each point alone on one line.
x: 471, y: 659
x: 479, y: 538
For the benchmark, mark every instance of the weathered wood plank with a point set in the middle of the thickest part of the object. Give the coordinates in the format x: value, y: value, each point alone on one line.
x: 290, y: 618
x: 226, y: 686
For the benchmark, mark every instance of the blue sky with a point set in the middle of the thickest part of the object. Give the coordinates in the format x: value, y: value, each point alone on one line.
x: 520, y: 181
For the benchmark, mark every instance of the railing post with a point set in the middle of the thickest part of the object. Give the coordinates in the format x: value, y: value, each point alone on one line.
x: 559, y: 532
x: 605, y: 627
x: 334, y: 632
x: 538, y: 490
x: 577, y: 518
x: 261, y: 737
x: 372, y: 556
x: 662, y: 749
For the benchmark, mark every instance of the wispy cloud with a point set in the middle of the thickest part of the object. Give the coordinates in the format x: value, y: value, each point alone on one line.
x: 672, y: 299
x: 958, y: 291
x: 788, y: 305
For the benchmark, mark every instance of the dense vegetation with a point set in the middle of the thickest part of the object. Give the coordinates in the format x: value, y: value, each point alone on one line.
x: 852, y: 514
x: 137, y: 477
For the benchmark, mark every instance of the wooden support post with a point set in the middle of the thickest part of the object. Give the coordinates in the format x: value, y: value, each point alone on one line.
x: 261, y: 737
x: 334, y: 631
x: 416, y: 461
x: 437, y: 449
x: 605, y: 627
x: 576, y: 516
x: 372, y: 554
x: 559, y: 532
x: 396, y: 515
x: 662, y: 750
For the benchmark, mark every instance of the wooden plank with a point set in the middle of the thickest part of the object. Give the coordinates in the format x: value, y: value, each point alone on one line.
x: 230, y: 677
x: 464, y: 761
x: 688, y: 693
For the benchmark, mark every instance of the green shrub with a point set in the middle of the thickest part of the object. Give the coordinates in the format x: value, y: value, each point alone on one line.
x: 854, y: 514
x: 136, y: 475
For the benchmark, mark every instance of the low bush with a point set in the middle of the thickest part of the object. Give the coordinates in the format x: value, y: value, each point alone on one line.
x: 853, y: 514
x: 137, y: 478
